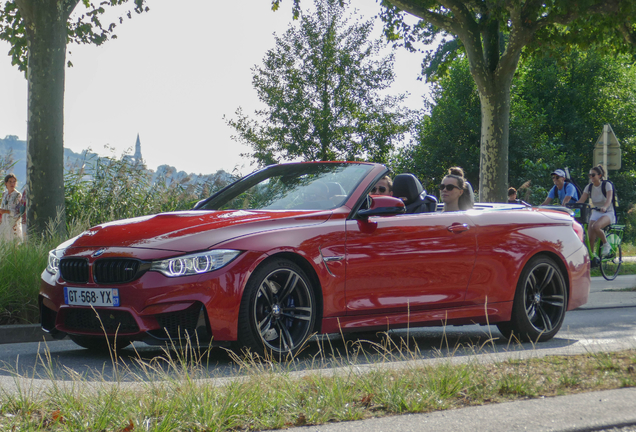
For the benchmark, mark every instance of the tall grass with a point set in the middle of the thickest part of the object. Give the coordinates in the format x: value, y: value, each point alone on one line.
x: 21, y: 265
x: 186, y: 396
x: 107, y: 188
x: 101, y: 190
x: 20, y: 269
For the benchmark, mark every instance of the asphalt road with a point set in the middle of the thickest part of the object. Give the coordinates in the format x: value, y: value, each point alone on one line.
x: 592, y: 327
x: 606, y: 323
x: 609, y: 318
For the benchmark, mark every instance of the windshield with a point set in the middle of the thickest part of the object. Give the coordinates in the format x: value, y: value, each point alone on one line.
x: 305, y: 186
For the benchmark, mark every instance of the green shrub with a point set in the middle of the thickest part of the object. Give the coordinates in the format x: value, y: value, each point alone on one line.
x: 109, y: 189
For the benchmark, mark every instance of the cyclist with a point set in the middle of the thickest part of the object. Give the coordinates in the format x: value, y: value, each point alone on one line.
x: 599, y: 219
x: 565, y: 190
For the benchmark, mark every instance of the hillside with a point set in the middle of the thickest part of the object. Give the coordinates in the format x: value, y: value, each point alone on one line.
x: 14, y: 149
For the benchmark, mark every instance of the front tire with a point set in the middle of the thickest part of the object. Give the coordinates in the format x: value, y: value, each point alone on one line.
x: 540, y: 302
x: 278, y: 309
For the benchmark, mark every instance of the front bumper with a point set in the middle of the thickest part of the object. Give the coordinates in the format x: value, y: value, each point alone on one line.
x: 154, y: 308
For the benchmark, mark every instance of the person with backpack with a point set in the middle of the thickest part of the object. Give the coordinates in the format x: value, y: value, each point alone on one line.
x: 603, y: 194
x: 565, y: 190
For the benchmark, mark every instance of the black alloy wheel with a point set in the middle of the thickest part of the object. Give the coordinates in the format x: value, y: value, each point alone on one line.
x: 278, y: 310
x: 540, y: 302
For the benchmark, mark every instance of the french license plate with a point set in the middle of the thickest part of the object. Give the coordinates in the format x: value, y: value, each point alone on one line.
x: 91, y: 296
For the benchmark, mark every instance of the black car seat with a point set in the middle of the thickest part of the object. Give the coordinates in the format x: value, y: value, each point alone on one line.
x: 408, y: 187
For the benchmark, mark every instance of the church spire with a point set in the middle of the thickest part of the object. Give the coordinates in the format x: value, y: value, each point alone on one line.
x: 137, y: 155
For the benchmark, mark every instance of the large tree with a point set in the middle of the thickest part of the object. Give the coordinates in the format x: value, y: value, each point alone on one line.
x: 38, y: 32
x: 492, y: 34
x: 559, y: 104
x: 323, y: 89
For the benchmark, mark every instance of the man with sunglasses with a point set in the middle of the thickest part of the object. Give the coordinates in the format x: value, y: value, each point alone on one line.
x: 565, y: 190
x: 384, y: 186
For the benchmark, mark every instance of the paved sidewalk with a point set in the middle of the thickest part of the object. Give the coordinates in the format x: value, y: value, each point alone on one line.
x: 609, y: 294
x: 593, y: 411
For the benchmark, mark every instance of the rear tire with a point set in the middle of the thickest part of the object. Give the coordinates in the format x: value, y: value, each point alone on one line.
x: 99, y: 343
x: 278, y: 309
x: 611, y: 264
x: 540, y: 302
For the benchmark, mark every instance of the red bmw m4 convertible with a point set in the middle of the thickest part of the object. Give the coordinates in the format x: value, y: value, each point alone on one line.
x: 300, y: 249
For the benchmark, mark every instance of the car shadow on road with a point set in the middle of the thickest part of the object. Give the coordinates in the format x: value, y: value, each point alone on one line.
x: 65, y: 361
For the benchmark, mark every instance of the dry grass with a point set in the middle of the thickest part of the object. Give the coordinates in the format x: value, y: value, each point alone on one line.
x: 270, y: 395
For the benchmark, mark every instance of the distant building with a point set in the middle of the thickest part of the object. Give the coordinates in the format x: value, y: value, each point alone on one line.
x: 87, y: 161
x: 136, y: 158
x: 137, y: 155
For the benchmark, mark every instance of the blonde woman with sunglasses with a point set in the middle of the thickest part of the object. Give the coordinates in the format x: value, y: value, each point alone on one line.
x: 451, y: 190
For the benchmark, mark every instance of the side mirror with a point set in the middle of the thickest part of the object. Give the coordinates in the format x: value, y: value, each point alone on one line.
x: 382, y: 205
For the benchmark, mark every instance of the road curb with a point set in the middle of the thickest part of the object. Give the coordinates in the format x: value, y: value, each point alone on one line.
x: 19, y: 333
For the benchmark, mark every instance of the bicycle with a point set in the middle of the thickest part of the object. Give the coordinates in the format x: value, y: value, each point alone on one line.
x: 609, y: 264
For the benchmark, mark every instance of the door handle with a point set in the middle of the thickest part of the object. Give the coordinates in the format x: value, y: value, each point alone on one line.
x: 458, y: 228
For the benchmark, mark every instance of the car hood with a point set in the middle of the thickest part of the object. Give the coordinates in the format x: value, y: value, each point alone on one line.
x: 191, y: 230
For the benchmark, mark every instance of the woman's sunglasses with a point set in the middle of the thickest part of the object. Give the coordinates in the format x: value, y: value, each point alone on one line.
x: 449, y: 187
x: 380, y: 189
x: 591, y: 175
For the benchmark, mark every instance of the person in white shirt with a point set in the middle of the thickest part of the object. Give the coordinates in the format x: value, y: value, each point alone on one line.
x: 599, y: 219
x: 11, y: 225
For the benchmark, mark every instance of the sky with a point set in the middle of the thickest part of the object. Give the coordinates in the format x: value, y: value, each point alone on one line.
x: 170, y: 76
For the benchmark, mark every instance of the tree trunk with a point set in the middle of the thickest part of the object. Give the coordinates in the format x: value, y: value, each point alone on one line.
x: 493, y: 160
x: 46, y: 26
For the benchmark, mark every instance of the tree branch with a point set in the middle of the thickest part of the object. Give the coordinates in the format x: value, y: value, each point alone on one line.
x: 26, y: 10
x: 68, y: 6
x: 468, y: 31
x: 434, y: 18
x: 628, y: 33
x: 521, y: 31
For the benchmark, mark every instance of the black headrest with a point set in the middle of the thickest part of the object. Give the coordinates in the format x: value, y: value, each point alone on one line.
x: 407, y: 186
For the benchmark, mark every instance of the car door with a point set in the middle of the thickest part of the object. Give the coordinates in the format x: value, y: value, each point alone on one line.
x: 408, y: 262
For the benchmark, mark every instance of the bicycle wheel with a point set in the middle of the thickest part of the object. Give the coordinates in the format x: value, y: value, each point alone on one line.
x: 611, y: 264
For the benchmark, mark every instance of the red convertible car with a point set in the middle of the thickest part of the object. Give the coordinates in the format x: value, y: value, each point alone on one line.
x: 298, y: 249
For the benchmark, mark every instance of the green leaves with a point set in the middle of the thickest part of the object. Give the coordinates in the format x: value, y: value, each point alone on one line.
x: 12, y: 30
x: 558, y: 107
x: 85, y: 28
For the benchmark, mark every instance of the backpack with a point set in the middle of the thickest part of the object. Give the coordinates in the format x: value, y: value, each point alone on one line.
x: 603, y: 188
x: 569, y: 179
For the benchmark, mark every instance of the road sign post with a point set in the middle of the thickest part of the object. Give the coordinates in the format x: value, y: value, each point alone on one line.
x: 607, y: 150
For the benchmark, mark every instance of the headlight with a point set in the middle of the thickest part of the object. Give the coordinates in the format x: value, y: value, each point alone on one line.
x: 54, y: 262
x: 194, y: 264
